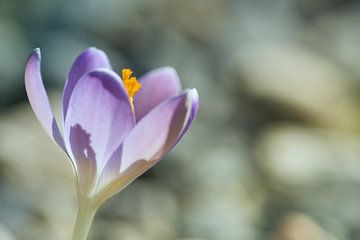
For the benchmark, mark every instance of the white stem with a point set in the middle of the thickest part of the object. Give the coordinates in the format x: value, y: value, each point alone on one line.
x: 84, y: 219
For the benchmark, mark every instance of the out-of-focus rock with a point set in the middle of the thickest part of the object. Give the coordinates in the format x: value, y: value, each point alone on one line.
x: 12, y: 58
x: 298, y: 156
x: 297, y: 226
x: 116, y: 16
x: 260, y: 22
x: 194, y: 68
x: 205, y: 211
x: 218, y: 185
x: 315, y: 170
x: 340, y: 36
x: 5, y: 234
x: 298, y: 79
x: 192, y: 17
x: 36, y: 167
x: 57, y: 60
x: 145, y: 208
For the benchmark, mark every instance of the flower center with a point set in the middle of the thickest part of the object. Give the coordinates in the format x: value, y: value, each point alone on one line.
x: 132, y: 85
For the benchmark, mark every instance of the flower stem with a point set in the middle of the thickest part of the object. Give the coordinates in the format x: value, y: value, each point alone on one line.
x: 84, y: 218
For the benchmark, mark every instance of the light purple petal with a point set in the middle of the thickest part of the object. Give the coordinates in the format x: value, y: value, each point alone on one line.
x: 147, y: 143
x: 157, y: 86
x: 194, y: 96
x: 158, y: 131
x: 99, y: 118
x: 38, y: 98
x: 84, y: 157
x: 117, y: 183
x: 90, y: 59
x: 111, y: 170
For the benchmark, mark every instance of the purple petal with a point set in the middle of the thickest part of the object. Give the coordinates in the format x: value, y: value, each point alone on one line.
x: 118, y: 183
x: 90, y: 59
x: 38, y: 98
x: 85, y: 156
x: 194, y: 110
x: 147, y: 143
x: 99, y: 106
x: 157, y: 85
x: 111, y: 170
x: 159, y: 130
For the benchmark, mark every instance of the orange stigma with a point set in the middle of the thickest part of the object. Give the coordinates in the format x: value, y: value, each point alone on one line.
x: 132, y: 85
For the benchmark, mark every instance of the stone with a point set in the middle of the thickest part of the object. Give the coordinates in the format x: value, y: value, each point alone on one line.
x: 5, y: 234
x: 298, y: 80
x: 298, y: 226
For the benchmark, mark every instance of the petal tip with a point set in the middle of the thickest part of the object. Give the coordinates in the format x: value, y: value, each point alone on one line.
x: 193, y: 96
x: 170, y: 70
x: 193, y: 93
x: 36, y: 53
x: 94, y: 50
x: 33, y: 63
x: 193, y: 103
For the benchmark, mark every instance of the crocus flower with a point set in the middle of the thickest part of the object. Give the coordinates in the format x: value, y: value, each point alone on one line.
x: 114, y: 129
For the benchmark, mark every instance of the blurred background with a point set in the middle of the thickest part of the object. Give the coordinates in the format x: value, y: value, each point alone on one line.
x: 274, y: 153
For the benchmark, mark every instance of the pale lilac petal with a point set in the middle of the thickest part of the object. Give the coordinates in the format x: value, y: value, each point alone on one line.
x: 99, y: 118
x: 85, y: 163
x: 111, y: 170
x: 117, y: 183
x: 157, y: 86
x: 147, y: 143
x: 194, y: 96
x: 158, y: 131
x: 38, y: 98
x: 90, y: 59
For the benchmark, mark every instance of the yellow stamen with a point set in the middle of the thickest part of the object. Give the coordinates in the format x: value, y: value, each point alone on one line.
x: 132, y: 86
